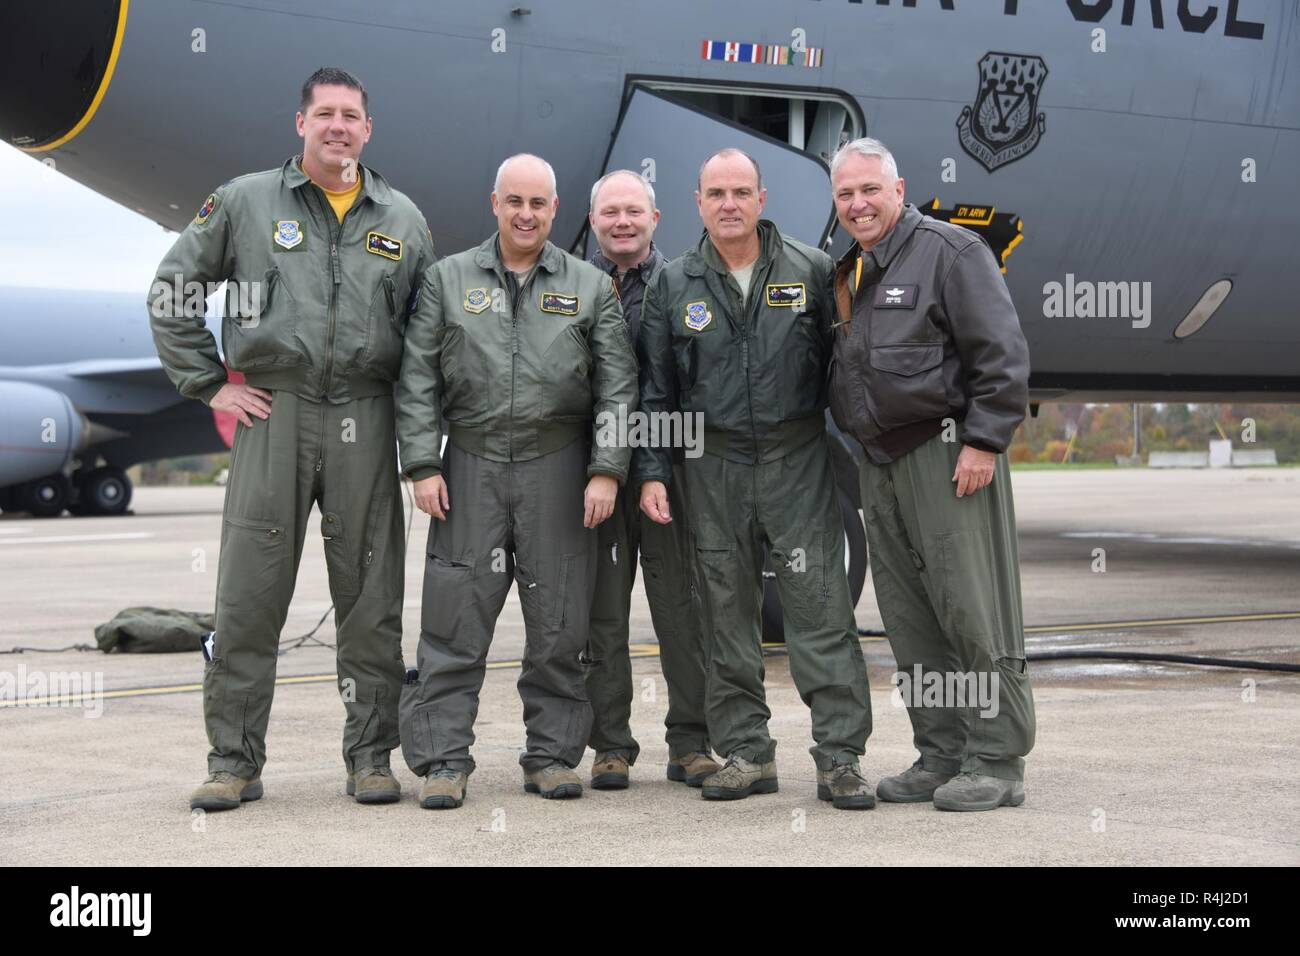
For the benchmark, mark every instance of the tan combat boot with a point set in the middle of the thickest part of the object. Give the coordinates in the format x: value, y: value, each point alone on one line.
x: 693, y: 768
x: 739, y: 778
x: 444, y: 789
x: 374, y: 785
x: 845, y: 787
x: 224, y: 791
x: 609, y: 772
x: 555, y: 781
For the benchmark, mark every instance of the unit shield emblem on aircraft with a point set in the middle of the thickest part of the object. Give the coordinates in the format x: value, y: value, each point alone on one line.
x: 1001, y: 126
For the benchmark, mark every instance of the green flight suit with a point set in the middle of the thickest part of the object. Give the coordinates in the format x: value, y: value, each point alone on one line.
x: 315, y: 312
x: 756, y: 371
x: 515, y: 375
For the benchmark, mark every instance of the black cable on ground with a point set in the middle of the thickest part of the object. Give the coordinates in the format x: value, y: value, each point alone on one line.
x: 1165, y: 659
x: 1068, y: 655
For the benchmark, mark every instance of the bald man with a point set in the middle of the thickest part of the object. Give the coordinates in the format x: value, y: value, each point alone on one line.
x: 513, y: 349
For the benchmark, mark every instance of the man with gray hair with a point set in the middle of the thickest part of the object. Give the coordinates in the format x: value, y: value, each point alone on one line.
x: 931, y: 375
x: 513, y: 350
x: 623, y: 219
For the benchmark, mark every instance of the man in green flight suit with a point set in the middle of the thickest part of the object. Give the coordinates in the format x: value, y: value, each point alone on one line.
x: 738, y: 329
x: 513, y: 351
x: 320, y: 257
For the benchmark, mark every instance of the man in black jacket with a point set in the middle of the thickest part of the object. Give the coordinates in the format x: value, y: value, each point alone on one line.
x: 931, y: 375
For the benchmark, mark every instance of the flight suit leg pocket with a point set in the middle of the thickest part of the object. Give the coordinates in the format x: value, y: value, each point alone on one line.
x: 545, y: 596
x: 967, y: 590
x: 254, y: 558
x: 341, y: 559
x: 419, y: 746
x: 801, y: 577
x: 448, y: 592
x: 220, y: 734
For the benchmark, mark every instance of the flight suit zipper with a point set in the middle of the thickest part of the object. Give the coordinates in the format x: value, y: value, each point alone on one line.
x: 514, y: 351
x: 749, y: 316
x: 334, y: 229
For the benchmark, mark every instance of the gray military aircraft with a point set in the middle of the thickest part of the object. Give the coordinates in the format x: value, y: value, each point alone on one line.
x: 82, y: 397
x: 1131, y: 162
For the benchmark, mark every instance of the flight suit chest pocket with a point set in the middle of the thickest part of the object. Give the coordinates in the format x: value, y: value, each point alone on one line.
x: 385, y: 329
x: 260, y: 325
x: 566, y: 368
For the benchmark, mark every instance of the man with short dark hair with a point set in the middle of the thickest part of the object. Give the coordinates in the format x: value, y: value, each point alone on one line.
x: 321, y: 259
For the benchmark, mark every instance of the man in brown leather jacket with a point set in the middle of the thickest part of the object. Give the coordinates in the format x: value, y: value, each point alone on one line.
x: 930, y: 374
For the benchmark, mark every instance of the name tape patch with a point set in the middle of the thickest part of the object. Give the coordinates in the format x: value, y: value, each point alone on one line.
x: 782, y: 295
x: 895, y: 296
x: 561, y: 303
x: 382, y: 245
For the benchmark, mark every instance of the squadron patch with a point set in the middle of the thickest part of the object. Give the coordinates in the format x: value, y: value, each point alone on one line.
x: 560, y: 303
x: 697, y: 316
x: 205, y: 210
x: 476, y: 300
x: 1000, y: 126
x: 787, y: 295
x: 382, y: 245
x: 288, y: 233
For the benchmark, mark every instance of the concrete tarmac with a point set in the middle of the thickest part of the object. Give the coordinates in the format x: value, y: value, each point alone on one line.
x: 1135, y: 764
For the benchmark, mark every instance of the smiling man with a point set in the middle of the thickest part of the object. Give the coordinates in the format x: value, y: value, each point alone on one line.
x: 931, y: 375
x: 330, y: 254
x: 514, y: 349
x: 738, y: 329
x: 623, y: 218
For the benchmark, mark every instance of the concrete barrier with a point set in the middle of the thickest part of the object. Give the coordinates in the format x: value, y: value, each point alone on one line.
x: 1253, y: 458
x: 1178, y: 459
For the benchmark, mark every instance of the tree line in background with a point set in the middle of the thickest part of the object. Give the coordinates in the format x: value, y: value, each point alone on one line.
x: 1089, y: 433
x: 1100, y: 433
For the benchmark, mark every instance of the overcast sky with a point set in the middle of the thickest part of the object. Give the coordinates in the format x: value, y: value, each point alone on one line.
x: 57, y: 233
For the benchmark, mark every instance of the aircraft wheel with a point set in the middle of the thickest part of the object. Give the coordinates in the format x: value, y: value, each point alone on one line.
x: 855, y: 554
x: 45, y: 497
x: 105, y: 491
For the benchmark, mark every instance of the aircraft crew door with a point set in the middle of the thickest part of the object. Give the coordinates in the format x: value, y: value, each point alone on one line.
x: 666, y: 140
